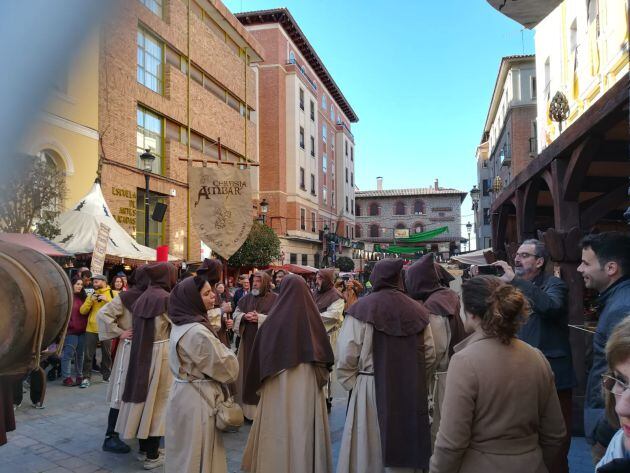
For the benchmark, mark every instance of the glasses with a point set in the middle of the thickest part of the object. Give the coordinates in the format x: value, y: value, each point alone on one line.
x: 613, y: 385
x: 525, y: 255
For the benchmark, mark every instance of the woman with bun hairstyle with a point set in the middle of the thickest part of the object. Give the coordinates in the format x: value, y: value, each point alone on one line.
x: 501, y: 411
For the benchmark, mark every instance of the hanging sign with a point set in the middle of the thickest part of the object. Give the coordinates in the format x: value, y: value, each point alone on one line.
x: 221, y: 206
x: 100, y: 249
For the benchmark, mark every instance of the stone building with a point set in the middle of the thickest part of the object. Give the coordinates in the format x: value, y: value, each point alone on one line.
x: 385, y: 214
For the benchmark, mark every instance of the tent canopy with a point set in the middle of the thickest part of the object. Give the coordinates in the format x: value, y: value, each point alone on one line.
x: 474, y: 257
x: 36, y: 242
x: 80, y: 226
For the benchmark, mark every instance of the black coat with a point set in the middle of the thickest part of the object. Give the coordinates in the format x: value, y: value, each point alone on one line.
x: 547, y: 327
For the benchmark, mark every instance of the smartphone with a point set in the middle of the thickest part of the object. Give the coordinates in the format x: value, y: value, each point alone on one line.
x: 491, y: 269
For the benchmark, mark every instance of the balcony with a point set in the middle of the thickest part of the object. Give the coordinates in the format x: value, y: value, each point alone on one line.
x: 506, y: 156
x: 533, y: 146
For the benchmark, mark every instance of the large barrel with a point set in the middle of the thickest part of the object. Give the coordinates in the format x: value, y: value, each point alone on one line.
x: 36, y: 304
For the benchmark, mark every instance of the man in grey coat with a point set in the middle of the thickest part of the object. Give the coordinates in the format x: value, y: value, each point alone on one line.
x: 547, y: 326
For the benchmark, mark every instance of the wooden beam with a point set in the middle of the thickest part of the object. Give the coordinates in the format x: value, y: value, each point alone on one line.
x: 603, y: 205
x: 578, y: 165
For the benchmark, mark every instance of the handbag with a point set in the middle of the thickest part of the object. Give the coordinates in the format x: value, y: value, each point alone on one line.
x: 229, y: 414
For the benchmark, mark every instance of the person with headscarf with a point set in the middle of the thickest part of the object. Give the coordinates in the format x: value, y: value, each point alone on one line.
x: 115, y: 321
x: 201, y: 364
x: 351, y: 292
x: 219, y: 315
x: 250, y: 313
x: 425, y: 283
x: 288, y: 368
x: 384, y: 348
x: 148, y: 378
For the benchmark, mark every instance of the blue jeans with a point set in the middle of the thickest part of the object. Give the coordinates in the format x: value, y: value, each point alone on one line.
x: 72, y: 350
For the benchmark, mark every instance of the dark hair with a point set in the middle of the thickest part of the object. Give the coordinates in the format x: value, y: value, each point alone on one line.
x: 86, y: 273
x: 200, y: 282
x: 113, y: 283
x: 82, y: 295
x: 540, y: 249
x: 610, y: 246
x: 501, y: 307
x: 617, y: 352
x: 184, y: 275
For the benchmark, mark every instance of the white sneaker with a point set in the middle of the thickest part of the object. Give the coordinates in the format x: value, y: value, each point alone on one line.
x: 142, y: 456
x: 155, y: 463
x: 85, y: 383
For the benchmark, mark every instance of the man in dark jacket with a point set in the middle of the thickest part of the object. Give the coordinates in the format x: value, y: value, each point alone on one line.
x: 547, y: 326
x: 606, y: 268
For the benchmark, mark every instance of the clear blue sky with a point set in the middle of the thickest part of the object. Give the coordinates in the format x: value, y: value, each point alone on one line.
x: 418, y: 73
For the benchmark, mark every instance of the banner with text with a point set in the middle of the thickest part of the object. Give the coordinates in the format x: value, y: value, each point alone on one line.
x: 221, y: 206
x: 100, y: 249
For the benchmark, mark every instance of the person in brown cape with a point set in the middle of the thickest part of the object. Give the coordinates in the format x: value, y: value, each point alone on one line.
x: 288, y: 368
x: 424, y: 282
x: 250, y: 313
x: 115, y: 321
x: 219, y: 315
x: 385, y: 347
x: 148, y: 379
x: 200, y: 364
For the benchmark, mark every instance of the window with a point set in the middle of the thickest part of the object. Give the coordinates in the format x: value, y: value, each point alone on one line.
x: 313, y: 184
x: 374, y: 209
x: 346, y: 175
x: 357, y: 231
x: 352, y: 179
x: 332, y: 197
x: 532, y: 88
x: 352, y: 206
x: 400, y: 226
x: 351, y: 153
x: 324, y: 195
x: 291, y: 57
x: 418, y: 207
x: 374, y: 231
x: 486, y: 216
x: 156, y: 229
x: 313, y: 146
x: 293, y: 258
x: 357, y: 210
x: 149, y: 134
x: 316, y: 260
x: 149, y: 71
x: 347, y: 204
x: 302, y: 137
x: 302, y: 99
x: 347, y: 231
x: 332, y: 113
x: 302, y: 183
x: 324, y: 132
x: 313, y: 219
x: 302, y: 219
x: 325, y: 163
x: 154, y: 5
x: 547, y: 79
x: 324, y: 106
x: 312, y: 111
x: 305, y: 260
x: 485, y: 187
x: 399, y: 209
x: 346, y: 147
x: 418, y: 227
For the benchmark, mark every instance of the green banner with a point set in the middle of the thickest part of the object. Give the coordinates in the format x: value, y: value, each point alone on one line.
x: 423, y: 236
x: 400, y: 250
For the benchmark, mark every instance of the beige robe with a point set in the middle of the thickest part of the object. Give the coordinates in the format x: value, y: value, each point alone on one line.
x: 333, y: 318
x: 199, y: 362
x: 436, y: 382
x: 290, y: 433
x: 249, y: 410
x: 146, y: 419
x: 113, y: 319
x: 360, y: 449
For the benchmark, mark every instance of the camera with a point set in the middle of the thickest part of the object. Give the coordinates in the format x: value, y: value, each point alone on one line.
x: 491, y: 270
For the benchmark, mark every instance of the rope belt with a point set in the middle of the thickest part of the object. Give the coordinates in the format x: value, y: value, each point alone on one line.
x: 366, y: 373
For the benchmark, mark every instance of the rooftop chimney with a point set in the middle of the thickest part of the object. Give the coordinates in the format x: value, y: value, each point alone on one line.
x: 379, y: 183
x: 437, y: 187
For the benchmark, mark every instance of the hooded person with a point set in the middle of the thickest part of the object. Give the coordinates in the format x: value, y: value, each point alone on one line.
x: 115, y: 321
x: 385, y: 348
x: 201, y: 364
x: 250, y: 313
x: 288, y: 368
x: 425, y: 283
x: 148, y: 378
x: 212, y: 271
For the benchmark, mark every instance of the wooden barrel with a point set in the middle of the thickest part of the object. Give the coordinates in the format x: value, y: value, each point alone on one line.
x: 36, y: 298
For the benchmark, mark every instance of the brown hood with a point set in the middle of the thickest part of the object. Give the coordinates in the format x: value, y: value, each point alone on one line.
x: 424, y: 283
x: 211, y: 270
x: 138, y: 283
x: 262, y: 302
x: 328, y: 294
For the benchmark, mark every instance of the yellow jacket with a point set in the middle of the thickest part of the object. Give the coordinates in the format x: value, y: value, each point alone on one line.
x: 91, y: 306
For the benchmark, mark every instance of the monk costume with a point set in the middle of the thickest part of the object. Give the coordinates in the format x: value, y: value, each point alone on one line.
x: 114, y: 319
x: 259, y: 300
x: 148, y: 380
x: 288, y: 368
x: 425, y: 283
x: 200, y: 364
x: 385, y: 346
x: 212, y: 271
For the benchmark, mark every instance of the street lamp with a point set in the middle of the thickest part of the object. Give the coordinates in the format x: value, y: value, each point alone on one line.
x: 469, y: 228
x: 264, y: 208
x: 475, y: 193
x: 147, y: 161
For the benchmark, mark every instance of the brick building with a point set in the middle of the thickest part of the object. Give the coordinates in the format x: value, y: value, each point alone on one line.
x: 508, y: 142
x: 306, y: 145
x: 382, y: 214
x: 167, y: 74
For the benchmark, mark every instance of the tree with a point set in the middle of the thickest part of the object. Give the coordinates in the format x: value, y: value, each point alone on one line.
x: 32, y: 191
x: 345, y: 264
x: 260, y: 249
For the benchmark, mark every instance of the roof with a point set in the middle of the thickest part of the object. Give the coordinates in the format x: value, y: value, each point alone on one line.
x: 409, y: 192
x: 35, y: 242
x: 283, y: 17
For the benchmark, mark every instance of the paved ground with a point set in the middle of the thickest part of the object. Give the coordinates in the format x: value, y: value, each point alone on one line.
x: 67, y: 436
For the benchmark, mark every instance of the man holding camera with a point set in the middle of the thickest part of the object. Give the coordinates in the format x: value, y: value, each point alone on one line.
x: 547, y: 326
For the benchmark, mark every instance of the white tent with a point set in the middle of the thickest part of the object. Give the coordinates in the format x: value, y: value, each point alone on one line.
x: 472, y: 257
x: 79, y: 229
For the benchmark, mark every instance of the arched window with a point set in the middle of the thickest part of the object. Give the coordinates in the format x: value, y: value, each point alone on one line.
x: 357, y: 231
x: 399, y: 208
x: 374, y: 209
x: 374, y: 231
x: 291, y: 57
x: 418, y: 227
x: 418, y: 207
x: 357, y: 210
x: 52, y: 159
x: 400, y: 226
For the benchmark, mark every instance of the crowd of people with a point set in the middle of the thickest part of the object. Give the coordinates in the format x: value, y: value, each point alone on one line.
x: 437, y: 381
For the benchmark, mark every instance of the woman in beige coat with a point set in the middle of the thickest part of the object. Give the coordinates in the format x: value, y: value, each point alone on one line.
x: 200, y: 363
x: 501, y: 412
